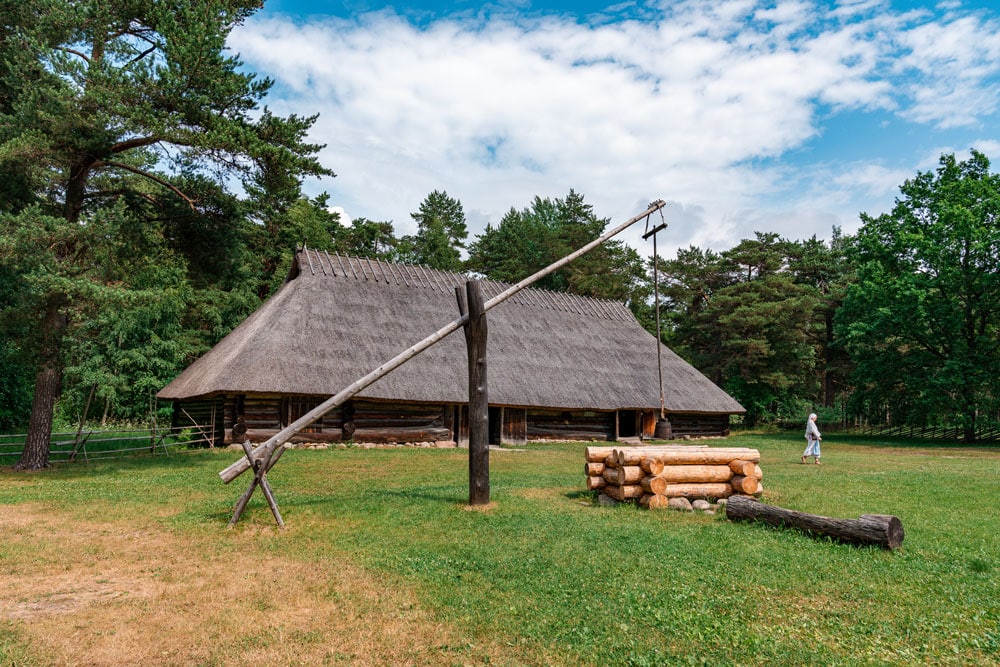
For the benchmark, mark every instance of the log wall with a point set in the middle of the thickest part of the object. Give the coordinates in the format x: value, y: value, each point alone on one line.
x: 374, y: 421
x: 582, y: 425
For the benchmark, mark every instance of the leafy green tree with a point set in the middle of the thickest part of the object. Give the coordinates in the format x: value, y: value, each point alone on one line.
x: 110, y: 108
x: 741, y: 318
x: 527, y: 241
x: 441, y: 234
x: 923, y: 321
x: 825, y: 269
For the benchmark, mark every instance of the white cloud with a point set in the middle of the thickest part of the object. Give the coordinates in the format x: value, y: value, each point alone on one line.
x: 693, y: 108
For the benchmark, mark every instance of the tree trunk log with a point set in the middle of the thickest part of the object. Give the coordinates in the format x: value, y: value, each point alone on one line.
x: 624, y: 475
x: 593, y: 469
x: 654, y: 485
x: 651, y: 465
x: 747, y: 485
x: 704, y: 457
x: 594, y: 483
x: 654, y: 501
x: 741, y: 467
x: 671, y: 454
x: 713, y: 490
x: 870, y: 529
x: 699, y: 474
x: 597, y: 454
x: 628, y: 492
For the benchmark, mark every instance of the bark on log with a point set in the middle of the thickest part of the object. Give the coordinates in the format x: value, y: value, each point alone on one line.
x: 595, y: 482
x: 699, y: 474
x: 869, y: 529
x: 593, y: 469
x: 747, y: 485
x: 713, y: 490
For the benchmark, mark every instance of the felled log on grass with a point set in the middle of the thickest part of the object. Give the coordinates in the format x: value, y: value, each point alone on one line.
x: 879, y: 529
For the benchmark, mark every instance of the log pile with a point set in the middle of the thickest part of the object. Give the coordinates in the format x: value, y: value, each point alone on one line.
x: 652, y: 475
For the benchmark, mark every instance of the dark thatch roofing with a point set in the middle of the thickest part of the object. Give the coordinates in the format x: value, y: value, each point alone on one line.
x: 338, y: 318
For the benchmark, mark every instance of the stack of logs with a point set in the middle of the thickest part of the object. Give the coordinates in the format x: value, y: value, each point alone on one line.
x: 654, y: 474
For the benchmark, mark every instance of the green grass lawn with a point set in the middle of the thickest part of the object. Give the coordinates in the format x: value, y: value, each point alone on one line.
x: 552, y: 578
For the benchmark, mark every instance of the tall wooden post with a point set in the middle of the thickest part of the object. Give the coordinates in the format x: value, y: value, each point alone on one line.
x: 471, y: 304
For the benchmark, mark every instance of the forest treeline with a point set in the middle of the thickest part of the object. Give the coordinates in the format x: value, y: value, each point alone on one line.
x: 149, y: 202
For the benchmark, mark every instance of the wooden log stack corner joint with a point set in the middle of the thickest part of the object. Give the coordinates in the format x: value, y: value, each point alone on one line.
x: 652, y: 475
x: 881, y: 530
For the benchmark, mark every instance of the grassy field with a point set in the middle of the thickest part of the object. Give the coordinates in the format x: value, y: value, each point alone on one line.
x: 383, y: 563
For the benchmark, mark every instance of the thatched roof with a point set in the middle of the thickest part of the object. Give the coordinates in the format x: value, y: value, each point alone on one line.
x: 338, y: 318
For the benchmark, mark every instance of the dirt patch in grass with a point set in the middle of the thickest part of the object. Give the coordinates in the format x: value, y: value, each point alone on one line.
x: 75, y: 592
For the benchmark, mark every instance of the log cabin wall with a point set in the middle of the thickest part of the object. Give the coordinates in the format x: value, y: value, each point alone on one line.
x: 361, y: 421
x: 697, y: 426
x: 374, y: 421
x: 570, y: 425
x: 401, y: 422
x: 514, y: 429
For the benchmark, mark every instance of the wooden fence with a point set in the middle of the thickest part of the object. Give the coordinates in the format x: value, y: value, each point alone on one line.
x: 989, y: 433
x: 92, y: 445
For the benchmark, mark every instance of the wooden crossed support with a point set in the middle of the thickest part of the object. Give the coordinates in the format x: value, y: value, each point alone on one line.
x: 260, y: 468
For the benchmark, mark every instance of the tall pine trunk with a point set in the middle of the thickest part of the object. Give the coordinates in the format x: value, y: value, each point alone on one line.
x: 47, y: 386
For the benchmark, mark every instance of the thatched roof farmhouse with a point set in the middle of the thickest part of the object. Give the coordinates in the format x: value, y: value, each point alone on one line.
x: 559, y: 366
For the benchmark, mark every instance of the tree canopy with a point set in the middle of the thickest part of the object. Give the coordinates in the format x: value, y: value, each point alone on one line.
x: 135, y: 139
x: 528, y: 240
x: 922, y: 324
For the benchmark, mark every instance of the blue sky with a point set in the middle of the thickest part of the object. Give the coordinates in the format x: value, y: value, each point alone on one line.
x: 788, y: 117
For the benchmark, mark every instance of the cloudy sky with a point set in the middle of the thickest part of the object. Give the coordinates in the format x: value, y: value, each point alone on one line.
x: 788, y: 116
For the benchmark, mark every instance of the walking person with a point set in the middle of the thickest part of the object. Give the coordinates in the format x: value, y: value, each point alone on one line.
x: 812, y: 439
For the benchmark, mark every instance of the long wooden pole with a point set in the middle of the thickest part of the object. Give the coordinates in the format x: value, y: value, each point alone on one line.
x: 265, y: 450
x: 479, y: 436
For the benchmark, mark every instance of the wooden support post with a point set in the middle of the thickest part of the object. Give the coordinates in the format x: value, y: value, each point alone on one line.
x: 479, y: 432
